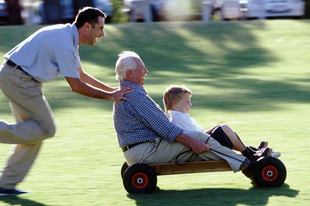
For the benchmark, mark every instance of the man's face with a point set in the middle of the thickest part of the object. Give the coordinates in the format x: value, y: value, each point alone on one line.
x: 139, y: 73
x: 94, y: 33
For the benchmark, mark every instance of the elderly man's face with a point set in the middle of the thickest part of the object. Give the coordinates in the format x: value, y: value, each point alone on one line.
x: 139, y: 73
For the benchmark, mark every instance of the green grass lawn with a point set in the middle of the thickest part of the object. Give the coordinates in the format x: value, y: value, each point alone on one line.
x: 251, y: 75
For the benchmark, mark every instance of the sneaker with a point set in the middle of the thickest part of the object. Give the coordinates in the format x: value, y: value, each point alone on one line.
x: 7, y: 192
x: 264, y: 152
x: 276, y: 154
x: 262, y: 145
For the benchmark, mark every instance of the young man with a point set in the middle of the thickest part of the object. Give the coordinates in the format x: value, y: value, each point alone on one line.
x: 49, y: 52
x: 146, y: 135
x: 177, y: 102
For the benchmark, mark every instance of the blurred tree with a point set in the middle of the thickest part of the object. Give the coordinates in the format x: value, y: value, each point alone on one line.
x: 118, y: 15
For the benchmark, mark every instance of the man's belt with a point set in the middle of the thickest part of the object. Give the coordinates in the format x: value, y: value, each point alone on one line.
x: 12, y: 64
x: 129, y: 146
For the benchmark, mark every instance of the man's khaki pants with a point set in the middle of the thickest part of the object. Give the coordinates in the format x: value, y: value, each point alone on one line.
x: 161, y: 151
x: 35, y: 123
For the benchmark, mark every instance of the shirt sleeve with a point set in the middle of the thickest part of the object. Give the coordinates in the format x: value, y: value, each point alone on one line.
x: 67, y: 62
x: 79, y: 63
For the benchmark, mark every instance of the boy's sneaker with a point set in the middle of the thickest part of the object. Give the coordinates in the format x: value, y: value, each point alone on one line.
x: 264, y: 152
x: 7, y: 192
x: 276, y: 154
x: 262, y: 145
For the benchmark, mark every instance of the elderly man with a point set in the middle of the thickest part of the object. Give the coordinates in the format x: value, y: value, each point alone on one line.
x: 146, y: 135
x: 47, y: 53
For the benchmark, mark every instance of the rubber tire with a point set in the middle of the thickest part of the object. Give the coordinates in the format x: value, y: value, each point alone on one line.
x: 124, y: 168
x: 269, y: 172
x: 139, y: 178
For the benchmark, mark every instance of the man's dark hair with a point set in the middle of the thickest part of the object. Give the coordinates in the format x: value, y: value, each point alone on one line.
x: 88, y: 14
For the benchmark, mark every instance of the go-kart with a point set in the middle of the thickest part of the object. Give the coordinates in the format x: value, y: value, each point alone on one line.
x: 142, y: 178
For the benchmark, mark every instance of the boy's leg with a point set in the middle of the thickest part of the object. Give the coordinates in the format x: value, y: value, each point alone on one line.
x: 219, y: 135
x: 227, y: 137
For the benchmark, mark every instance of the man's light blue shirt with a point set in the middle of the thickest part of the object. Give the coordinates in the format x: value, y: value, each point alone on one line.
x: 50, y: 51
x: 140, y: 119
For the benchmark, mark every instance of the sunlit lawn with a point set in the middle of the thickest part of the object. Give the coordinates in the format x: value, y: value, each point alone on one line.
x: 251, y: 75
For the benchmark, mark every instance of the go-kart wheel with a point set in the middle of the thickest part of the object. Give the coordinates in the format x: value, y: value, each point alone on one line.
x: 269, y: 172
x: 139, y: 178
x: 123, y: 169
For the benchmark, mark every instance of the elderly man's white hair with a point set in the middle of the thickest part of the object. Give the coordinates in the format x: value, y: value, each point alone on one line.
x: 124, y: 63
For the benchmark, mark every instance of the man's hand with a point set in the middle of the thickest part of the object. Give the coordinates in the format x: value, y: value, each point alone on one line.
x: 118, y: 94
x: 196, y: 145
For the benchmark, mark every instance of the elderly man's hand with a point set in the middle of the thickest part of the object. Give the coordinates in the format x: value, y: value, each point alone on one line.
x: 196, y: 145
x: 200, y: 147
x: 118, y: 94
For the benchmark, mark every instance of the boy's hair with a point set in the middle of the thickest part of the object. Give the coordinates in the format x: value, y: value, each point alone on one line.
x: 174, y: 93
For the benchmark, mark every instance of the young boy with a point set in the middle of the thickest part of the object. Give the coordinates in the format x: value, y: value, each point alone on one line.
x: 177, y: 102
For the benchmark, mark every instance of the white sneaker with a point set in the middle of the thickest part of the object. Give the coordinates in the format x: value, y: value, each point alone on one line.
x: 276, y: 154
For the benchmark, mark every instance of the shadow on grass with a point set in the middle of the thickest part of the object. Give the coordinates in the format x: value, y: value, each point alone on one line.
x: 19, y: 201
x: 213, y: 55
x: 213, y: 196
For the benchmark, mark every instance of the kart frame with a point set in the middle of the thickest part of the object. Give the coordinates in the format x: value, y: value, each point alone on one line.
x: 142, y: 178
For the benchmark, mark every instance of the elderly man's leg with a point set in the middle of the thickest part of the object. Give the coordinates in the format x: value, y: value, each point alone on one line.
x: 159, y: 151
x: 218, y: 151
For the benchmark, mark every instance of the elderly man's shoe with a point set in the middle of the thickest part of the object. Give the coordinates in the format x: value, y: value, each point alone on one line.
x: 7, y: 192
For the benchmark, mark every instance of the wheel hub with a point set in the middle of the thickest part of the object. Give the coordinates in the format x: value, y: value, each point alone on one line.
x: 270, y: 173
x: 140, y: 180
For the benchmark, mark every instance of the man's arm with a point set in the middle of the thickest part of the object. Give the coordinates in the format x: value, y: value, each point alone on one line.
x: 196, y: 145
x: 82, y: 88
x: 94, y: 82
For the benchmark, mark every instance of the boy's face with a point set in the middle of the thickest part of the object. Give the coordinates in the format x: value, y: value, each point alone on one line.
x: 184, y: 104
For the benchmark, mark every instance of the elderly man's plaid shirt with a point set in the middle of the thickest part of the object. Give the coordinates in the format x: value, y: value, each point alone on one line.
x: 140, y: 119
